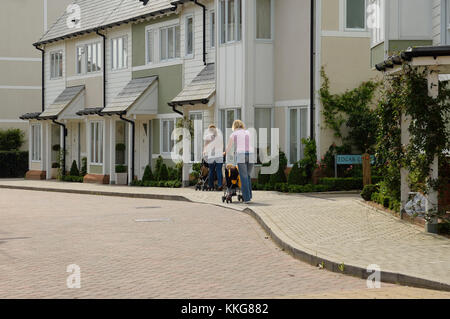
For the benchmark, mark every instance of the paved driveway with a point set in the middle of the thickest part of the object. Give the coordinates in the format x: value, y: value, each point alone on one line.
x: 140, y: 248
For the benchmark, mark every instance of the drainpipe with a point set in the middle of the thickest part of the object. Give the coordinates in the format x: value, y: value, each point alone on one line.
x: 43, y: 76
x: 312, y: 70
x: 204, y: 29
x: 63, y: 146
x: 133, y: 128
x: 104, y: 67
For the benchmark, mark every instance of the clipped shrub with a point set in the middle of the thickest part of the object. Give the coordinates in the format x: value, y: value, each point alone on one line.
x: 13, y: 164
x: 346, y: 184
x: 279, y: 176
x: 159, y: 163
x: 74, y: 169
x: 148, y: 175
x: 72, y: 179
x: 298, y: 175
x: 163, y: 174
x: 367, y: 192
x: 11, y: 139
x: 121, y: 169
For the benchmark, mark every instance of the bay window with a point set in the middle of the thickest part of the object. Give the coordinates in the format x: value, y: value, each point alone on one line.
x: 230, y: 20
x: 56, y: 64
x: 96, y: 143
x: 264, y: 19
x: 263, y: 120
x: 170, y: 43
x: 189, y: 36
x: 355, y: 11
x: 36, y: 142
x: 119, y: 50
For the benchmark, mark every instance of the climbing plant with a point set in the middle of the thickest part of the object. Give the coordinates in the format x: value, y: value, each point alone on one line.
x: 352, y: 109
x: 406, y: 93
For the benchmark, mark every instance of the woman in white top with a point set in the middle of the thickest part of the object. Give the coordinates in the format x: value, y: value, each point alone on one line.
x: 213, y: 156
x: 242, y: 141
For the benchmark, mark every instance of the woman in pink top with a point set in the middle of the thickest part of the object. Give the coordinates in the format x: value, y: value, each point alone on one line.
x: 242, y: 141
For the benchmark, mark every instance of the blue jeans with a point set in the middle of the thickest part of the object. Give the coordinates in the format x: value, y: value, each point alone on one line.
x: 245, y: 170
x: 215, y: 167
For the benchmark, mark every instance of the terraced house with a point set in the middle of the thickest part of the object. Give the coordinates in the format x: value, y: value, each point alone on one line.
x: 120, y: 73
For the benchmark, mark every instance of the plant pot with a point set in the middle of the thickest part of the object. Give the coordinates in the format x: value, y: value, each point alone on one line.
x: 121, y: 178
x: 54, y: 173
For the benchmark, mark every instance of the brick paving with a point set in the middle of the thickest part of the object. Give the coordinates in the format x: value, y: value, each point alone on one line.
x: 336, y: 227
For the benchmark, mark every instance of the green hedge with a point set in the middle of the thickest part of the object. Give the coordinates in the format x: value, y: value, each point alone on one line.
x: 165, y: 184
x: 72, y: 179
x: 286, y: 188
x: 386, y: 201
x: 346, y: 184
x: 13, y: 164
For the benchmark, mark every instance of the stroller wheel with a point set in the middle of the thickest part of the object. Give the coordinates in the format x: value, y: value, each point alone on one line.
x: 223, y: 199
x: 240, y: 199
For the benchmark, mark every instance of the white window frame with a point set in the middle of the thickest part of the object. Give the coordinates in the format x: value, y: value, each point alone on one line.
x: 54, y: 66
x: 237, y: 29
x: 36, y: 143
x: 84, y: 58
x: 299, y: 130
x: 365, y: 18
x: 377, y: 34
x: 115, y: 55
x: 149, y: 29
x: 272, y: 20
x: 212, y: 29
x: 174, y: 27
x: 98, y: 159
x: 161, y: 135
x: 186, y: 54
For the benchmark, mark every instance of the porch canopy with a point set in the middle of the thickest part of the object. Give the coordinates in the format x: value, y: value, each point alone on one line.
x: 138, y: 97
x: 200, y: 90
x: 61, y: 103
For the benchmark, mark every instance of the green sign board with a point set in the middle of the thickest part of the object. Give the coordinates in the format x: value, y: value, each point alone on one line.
x: 352, y: 159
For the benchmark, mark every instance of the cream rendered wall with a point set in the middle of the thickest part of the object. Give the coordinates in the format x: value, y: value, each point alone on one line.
x: 345, y: 57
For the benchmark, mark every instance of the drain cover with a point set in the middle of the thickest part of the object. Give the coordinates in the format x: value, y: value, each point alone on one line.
x: 148, y: 207
x: 152, y: 220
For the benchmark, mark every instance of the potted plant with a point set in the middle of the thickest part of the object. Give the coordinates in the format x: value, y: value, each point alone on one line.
x: 121, y: 175
x: 54, y: 170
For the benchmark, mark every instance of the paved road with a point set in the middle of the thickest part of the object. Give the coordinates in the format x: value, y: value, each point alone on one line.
x: 142, y: 248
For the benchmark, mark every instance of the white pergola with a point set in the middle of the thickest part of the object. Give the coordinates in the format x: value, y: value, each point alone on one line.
x: 437, y: 61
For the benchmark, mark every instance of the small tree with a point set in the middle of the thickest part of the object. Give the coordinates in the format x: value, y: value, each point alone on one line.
x: 11, y: 140
x: 159, y: 163
x: 74, y: 169
x: 83, y: 170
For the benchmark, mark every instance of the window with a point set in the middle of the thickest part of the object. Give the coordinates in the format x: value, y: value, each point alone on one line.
x: 119, y: 47
x: 189, y: 36
x: 167, y: 127
x: 298, y: 129
x: 89, y: 58
x: 355, y: 14
x: 96, y: 143
x: 375, y: 20
x: 197, y: 140
x: 36, y: 142
x: 56, y: 65
x: 170, y: 43
x: 226, y: 119
x: 213, y: 29
x: 230, y: 20
x: 264, y: 19
x: 150, y: 46
x: 263, y: 120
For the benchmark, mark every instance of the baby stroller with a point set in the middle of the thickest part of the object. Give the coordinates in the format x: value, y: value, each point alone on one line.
x: 203, y: 181
x: 233, y: 184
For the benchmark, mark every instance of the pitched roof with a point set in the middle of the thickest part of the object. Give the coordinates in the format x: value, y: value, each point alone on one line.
x: 103, y: 13
x: 129, y: 95
x: 200, y: 90
x: 62, y: 101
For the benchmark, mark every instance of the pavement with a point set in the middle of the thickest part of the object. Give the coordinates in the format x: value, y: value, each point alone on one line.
x: 336, y: 229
